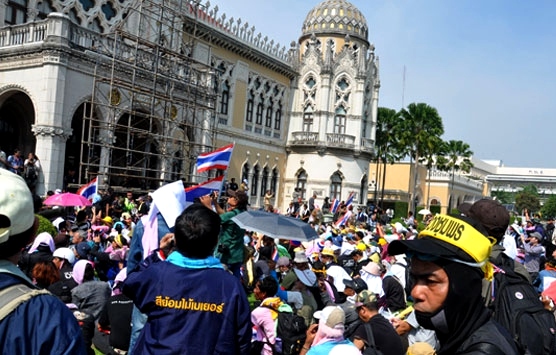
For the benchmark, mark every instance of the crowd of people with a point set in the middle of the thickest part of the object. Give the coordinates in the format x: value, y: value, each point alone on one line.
x: 145, y: 275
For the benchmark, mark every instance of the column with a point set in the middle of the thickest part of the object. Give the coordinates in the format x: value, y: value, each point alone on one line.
x: 51, y: 142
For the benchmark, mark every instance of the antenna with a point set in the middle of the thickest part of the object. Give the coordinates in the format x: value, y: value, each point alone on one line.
x: 403, y: 88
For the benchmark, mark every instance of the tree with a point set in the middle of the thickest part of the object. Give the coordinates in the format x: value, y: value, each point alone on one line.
x: 387, y: 142
x: 528, y: 198
x: 433, y: 148
x: 456, y: 157
x: 420, y: 123
x: 549, y: 207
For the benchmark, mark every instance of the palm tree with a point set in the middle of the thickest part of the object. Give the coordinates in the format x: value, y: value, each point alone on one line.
x: 456, y: 157
x: 386, y: 141
x: 420, y: 123
x: 433, y: 148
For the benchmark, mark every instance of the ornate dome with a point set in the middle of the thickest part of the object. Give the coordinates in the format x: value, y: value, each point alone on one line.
x: 335, y: 17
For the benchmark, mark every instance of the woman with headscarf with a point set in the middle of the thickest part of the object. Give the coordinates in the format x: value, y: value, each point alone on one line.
x: 90, y: 295
x: 328, y: 335
x: 41, y: 250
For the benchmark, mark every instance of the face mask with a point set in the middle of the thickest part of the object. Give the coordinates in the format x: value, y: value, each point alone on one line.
x: 351, y: 299
x: 433, y: 321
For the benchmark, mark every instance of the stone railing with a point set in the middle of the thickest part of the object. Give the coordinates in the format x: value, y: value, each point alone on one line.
x: 28, y: 33
x: 340, y: 140
x: 241, y: 31
x: 308, y: 138
x: 367, y: 144
x: 459, y: 179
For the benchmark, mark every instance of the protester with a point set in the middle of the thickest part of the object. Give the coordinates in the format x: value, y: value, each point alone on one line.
x: 206, y: 312
x: 230, y: 248
x: 89, y: 295
x: 41, y: 324
x: 448, y: 262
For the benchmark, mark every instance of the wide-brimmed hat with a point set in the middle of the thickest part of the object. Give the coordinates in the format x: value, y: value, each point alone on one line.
x: 357, y: 284
x: 307, y: 277
x: 372, y: 268
x: 300, y: 257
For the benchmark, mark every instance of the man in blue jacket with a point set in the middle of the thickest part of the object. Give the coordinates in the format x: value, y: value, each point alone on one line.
x: 37, y: 322
x: 193, y: 305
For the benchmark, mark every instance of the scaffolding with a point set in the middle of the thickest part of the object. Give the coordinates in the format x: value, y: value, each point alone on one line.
x: 153, y: 101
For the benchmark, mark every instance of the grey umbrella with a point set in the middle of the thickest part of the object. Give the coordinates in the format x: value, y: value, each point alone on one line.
x: 275, y: 225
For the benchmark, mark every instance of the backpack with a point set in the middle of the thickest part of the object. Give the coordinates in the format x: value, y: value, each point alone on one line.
x: 30, y: 173
x: 517, y: 307
x: 408, y: 284
x: 12, y: 296
x: 290, y: 329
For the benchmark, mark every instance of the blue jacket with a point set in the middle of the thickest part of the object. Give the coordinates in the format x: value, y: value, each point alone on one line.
x: 41, y: 325
x: 193, y: 307
x: 136, y: 246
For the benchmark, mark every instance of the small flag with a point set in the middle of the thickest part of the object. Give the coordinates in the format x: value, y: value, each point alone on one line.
x: 205, y: 188
x: 218, y: 159
x: 349, y: 201
x: 344, y: 219
x: 335, y: 205
x: 89, y: 190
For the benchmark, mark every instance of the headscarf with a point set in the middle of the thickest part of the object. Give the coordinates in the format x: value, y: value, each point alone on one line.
x: 118, y: 280
x: 79, y: 270
x: 42, y: 239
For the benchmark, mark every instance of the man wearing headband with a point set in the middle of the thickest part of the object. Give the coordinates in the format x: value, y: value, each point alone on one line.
x: 449, y: 259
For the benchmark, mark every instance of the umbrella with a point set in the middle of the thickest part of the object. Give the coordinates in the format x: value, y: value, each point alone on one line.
x: 424, y: 212
x: 275, y: 225
x: 67, y: 200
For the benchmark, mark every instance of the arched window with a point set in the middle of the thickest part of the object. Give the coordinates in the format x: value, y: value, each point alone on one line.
x: 225, y: 99
x: 255, y: 180
x: 363, y: 190
x: 310, y: 83
x: 308, y: 119
x: 264, y: 181
x: 340, y: 120
x: 245, y: 172
x: 274, y: 180
x: 250, y: 103
x: 268, y: 121
x: 343, y: 84
x: 278, y: 118
x: 336, y: 186
x: 302, y: 183
x: 260, y: 108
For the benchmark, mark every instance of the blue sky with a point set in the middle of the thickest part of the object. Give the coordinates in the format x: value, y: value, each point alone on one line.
x: 487, y: 66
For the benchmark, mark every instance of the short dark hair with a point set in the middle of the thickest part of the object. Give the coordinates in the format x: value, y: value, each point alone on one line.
x: 269, y: 286
x: 17, y: 242
x: 196, y: 231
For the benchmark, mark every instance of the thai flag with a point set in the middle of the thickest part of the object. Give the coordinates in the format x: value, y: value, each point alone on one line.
x: 89, y: 190
x: 344, y: 219
x: 205, y: 188
x: 349, y: 201
x: 219, y: 159
x: 335, y: 205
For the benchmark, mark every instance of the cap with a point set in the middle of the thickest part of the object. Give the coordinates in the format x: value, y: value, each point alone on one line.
x: 108, y: 220
x: 453, y: 238
x: 64, y: 253
x: 365, y: 298
x: 332, y: 316
x: 241, y: 196
x: 328, y: 252
x: 83, y: 249
x: 16, y: 205
x: 536, y: 235
x: 494, y: 217
x: 357, y: 284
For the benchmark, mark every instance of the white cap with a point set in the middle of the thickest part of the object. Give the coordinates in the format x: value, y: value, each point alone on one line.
x: 64, y: 253
x: 16, y: 205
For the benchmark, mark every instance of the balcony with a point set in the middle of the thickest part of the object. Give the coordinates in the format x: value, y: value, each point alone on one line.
x: 304, y: 138
x: 338, y: 140
x: 367, y: 145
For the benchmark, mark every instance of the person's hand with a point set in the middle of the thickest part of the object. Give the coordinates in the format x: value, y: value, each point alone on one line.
x: 206, y: 200
x: 167, y: 244
x: 311, y: 333
x: 401, y: 326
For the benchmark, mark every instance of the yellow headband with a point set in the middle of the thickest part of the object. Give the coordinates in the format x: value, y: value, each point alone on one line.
x: 462, y: 235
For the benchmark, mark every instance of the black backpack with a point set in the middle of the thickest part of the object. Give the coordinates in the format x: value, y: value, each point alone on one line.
x: 517, y: 307
x: 30, y: 174
x: 290, y: 329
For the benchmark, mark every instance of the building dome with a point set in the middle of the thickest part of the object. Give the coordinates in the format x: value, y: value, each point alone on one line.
x: 337, y: 17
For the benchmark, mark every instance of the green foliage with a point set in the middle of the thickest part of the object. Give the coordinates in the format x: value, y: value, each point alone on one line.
x: 503, y: 196
x: 435, y: 209
x: 532, y: 189
x: 549, y: 207
x: 46, y: 226
x: 527, y: 199
x: 400, y: 209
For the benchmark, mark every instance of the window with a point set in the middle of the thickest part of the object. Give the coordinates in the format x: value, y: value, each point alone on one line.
x: 308, y: 119
x: 225, y: 98
x: 278, y: 118
x: 336, y: 186
x: 274, y: 180
x: 16, y: 12
x: 343, y: 84
x: 340, y: 121
x: 255, y: 180
x: 268, y: 121
x: 44, y: 9
x: 250, y: 101
x: 310, y: 83
x: 363, y: 191
x: 260, y: 108
x: 245, y: 173
x: 302, y: 183
x: 264, y: 181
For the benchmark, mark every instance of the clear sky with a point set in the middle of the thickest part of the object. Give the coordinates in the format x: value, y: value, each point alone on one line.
x: 487, y: 66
